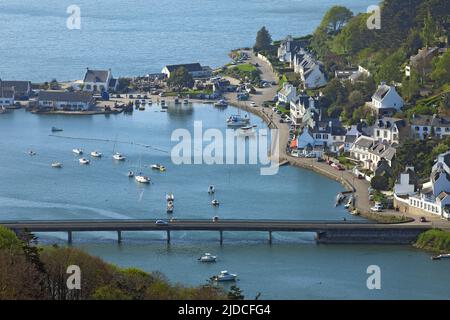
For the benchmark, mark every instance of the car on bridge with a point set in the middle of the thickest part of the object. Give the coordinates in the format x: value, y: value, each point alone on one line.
x: 161, y: 223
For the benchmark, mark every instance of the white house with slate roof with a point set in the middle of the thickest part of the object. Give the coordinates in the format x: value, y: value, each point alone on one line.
x: 287, y: 94
x: 386, y: 100
x: 99, y: 81
x: 424, y: 126
x: 195, y: 69
x: 311, y: 71
x: 434, y: 196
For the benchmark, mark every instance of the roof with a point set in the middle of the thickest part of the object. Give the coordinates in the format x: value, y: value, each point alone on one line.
x: 350, y: 139
x: 65, y: 96
x: 427, y: 120
x: 381, y: 92
x: 22, y: 86
x: 96, y: 75
x: 363, y: 141
x: 190, y: 67
x: 388, y: 122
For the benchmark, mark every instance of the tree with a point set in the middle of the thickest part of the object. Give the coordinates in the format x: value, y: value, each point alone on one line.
x: 356, y: 99
x: 235, y: 293
x: 335, y: 19
x: 429, y: 30
x: 180, y: 78
x: 380, y: 183
x: 441, y: 69
x: 263, y: 40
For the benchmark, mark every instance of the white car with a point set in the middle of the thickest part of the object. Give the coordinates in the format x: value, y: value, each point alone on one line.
x: 294, y: 153
x: 161, y: 222
x: 253, y: 104
x: 378, y: 207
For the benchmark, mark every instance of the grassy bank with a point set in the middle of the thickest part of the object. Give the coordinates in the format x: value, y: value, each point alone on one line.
x: 434, y: 240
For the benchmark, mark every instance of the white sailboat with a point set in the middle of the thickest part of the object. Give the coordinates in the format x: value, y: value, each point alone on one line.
x: 117, y: 155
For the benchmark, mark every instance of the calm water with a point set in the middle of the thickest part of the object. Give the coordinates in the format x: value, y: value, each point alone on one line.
x: 140, y: 36
x: 296, y: 266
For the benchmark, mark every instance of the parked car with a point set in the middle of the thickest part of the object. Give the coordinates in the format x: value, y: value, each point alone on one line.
x: 294, y: 153
x: 253, y: 104
x: 330, y: 162
x: 320, y: 159
x: 378, y: 207
x: 161, y: 222
x: 215, y: 218
x: 423, y: 219
x: 360, y: 176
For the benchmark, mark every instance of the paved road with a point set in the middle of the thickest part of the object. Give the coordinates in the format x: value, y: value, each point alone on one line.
x: 200, y: 225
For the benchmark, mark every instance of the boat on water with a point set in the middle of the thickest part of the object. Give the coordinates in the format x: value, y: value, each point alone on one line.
x: 32, y: 153
x: 349, y: 202
x: 142, y: 107
x: 441, y: 256
x: 170, y: 207
x: 207, y: 257
x: 3, y: 110
x: 238, y: 121
x: 224, y: 276
x: 84, y: 161
x: 119, y: 157
x: 56, y: 165
x: 96, y: 154
x: 130, y: 174
x: 55, y: 129
x: 247, y: 131
x: 186, y: 101
x: 163, y: 104
x: 215, y: 203
x: 142, y: 179
x: 177, y: 101
x: 211, y: 189
x: 221, y: 104
x: 77, y: 151
x: 339, y: 199
x: 158, y: 167
x: 170, y: 197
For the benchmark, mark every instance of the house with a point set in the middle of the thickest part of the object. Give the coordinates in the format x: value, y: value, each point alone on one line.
x: 361, y: 73
x: 64, y: 100
x: 360, y: 148
x: 386, y: 100
x: 6, y: 97
x: 301, y: 106
x: 99, y: 81
x: 311, y: 71
x: 22, y: 89
x: 289, y: 47
x: 422, y: 60
x: 406, y: 184
x: 323, y: 135
x: 434, y: 195
x: 379, y: 154
x: 195, y: 69
x: 345, y: 74
x: 287, y: 94
x: 389, y: 130
x: 424, y: 126
x: 350, y: 137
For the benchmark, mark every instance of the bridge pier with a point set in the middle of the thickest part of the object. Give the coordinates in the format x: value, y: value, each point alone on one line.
x: 168, y: 236
x: 221, y: 237
x: 69, y: 237
x: 270, y: 237
x: 119, y: 237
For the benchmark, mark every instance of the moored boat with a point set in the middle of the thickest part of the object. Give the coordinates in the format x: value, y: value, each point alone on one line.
x: 221, y: 104
x: 215, y: 203
x: 55, y: 129
x: 142, y: 179
x: 237, y: 121
x: 119, y: 157
x: 130, y: 174
x: 441, y: 256
x: 207, y: 257
x: 56, y: 165
x: 224, y: 276
x: 96, y: 154
x: 170, y: 197
x: 84, y: 161
x: 211, y: 189
x: 77, y: 151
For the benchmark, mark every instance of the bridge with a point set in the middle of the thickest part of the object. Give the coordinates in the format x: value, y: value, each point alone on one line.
x: 326, y: 231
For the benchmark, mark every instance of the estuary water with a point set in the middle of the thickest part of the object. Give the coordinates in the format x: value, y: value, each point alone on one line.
x: 293, y: 267
x: 136, y: 37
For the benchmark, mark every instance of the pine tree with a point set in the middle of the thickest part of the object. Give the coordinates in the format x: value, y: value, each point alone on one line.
x: 263, y: 40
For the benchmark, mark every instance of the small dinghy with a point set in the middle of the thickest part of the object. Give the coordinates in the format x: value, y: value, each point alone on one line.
x: 77, y: 151
x: 32, y: 153
x: 215, y: 203
x: 96, y: 154
x: 130, y: 174
x: 211, y: 189
x: 170, y: 197
x: 170, y: 207
x: 142, y: 179
x: 84, y: 161
x: 56, y: 165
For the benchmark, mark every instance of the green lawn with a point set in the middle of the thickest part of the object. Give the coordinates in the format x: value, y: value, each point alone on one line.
x: 247, y: 67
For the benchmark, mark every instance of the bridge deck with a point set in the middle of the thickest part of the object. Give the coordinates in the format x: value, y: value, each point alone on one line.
x: 202, y: 225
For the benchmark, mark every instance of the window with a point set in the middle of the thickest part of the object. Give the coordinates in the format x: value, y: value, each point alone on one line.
x: 385, y: 134
x: 378, y: 133
x: 417, y: 128
x: 325, y: 136
x: 425, y: 128
x: 438, y: 129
